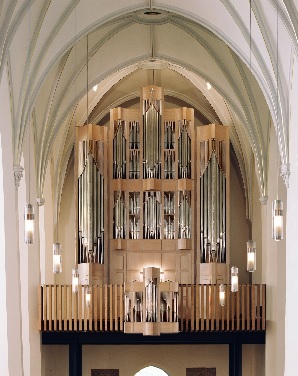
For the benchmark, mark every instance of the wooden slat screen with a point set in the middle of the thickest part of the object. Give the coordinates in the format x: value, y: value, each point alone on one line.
x: 199, y: 308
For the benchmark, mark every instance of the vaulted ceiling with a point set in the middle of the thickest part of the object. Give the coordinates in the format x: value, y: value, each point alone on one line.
x: 178, y: 45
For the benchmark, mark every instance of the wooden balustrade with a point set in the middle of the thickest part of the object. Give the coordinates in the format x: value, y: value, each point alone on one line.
x: 199, y: 308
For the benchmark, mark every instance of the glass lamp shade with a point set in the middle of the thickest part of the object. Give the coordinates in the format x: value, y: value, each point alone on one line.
x: 29, y: 224
x: 251, y: 256
x: 222, y: 294
x: 234, y: 279
x: 88, y: 296
x: 75, y: 280
x: 277, y: 220
x: 57, y: 258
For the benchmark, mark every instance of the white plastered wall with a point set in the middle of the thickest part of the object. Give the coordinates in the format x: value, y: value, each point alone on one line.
x: 291, y: 331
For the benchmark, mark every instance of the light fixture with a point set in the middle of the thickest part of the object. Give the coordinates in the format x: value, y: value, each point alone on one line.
x: 277, y: 220
x: 57, y: 258
x: 57, y: 250
x: 222, y: 294
x: 75, y: 280
x: 88, y: 295
x: 209, y: 86
x: 29, y: 222
x: 95, y: 88
x: 277, y: 205
x: 29, y: 209
x: 251, y: 256
x: 234, y: 279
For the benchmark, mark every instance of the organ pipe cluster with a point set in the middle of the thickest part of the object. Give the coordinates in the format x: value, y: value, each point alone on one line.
x: 134, y: 215
x: 184, y: 151
x: 152, y: 139
x: 152, y: 215
x: 90, y: 203
x: 184, y: 215
x: 134, y: 152
x: 150, y: 301
x: 119, y: 215
x: 213, y: 212
x: 119, y: 151
x: 169, y: 215
x: 159, y: 149
x: 169, y: 152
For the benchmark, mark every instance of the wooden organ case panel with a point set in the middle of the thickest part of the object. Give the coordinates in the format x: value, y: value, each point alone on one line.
x: 151, y: 193
x: 91, y: 188
x: 213, y: 203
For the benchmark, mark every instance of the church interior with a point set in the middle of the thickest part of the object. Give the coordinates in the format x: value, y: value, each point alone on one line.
x: 149, y: 182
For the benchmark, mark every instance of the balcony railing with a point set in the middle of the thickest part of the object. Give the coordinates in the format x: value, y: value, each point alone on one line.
x: 198, y: 309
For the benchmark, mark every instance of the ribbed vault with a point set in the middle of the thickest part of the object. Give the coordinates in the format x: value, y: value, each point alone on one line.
x: 185, y: 46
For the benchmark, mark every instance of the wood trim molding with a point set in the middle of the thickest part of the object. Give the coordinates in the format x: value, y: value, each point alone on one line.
x: 105, y: 372
x: 200, y: 371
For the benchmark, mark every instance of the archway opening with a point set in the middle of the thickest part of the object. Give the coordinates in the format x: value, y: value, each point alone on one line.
x: 151, y: 371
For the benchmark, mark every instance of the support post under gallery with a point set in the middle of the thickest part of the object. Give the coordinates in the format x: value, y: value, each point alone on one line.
x: 235, y: 357
x: 75, y: 359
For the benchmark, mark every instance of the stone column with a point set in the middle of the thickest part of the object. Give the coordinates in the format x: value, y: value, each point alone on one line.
x: 11, y: 344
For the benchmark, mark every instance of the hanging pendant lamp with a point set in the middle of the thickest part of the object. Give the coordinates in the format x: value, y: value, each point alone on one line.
x: 29, y: 223
x: 251, y: 256
x: 57, y: 258
x: 75, y: 280
x: 88, y: 296
x: 277, y: 220
x: 222, y: 294
x: 234, y: 279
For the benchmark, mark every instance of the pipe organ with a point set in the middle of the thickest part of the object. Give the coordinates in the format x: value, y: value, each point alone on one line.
x: 153, y: 190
